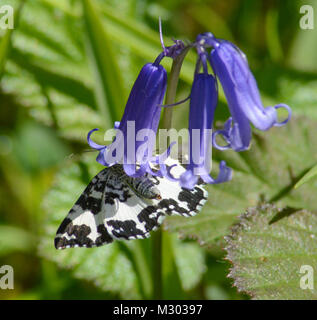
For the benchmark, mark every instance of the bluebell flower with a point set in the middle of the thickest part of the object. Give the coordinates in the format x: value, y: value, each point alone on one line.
x: 231, y: 67
x: 141, y: 116
x: 203, y: 102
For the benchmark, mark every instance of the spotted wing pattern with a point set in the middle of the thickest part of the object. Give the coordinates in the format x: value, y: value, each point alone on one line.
x: 109, y: 209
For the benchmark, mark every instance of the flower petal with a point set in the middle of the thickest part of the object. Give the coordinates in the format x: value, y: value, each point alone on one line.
x: 130, y: 170
x: 242, y: 93
x: 225, y: 174
x: 93, y: 144
x: 285, y: 106
x: 188, y: 180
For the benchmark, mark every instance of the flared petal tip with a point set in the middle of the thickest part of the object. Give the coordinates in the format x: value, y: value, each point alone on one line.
x: 225, y: 174
x: 238, y: 138
x: 93, y: 144
x: 188, y: 180
x: 101, y: 157
x: 225, y: 133
x: 289, y: 115
x: 268, y: 117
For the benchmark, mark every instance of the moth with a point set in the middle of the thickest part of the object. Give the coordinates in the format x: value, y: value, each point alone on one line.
x: 115, y: 206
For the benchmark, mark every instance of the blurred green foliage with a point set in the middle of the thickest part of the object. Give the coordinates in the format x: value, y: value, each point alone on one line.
x: 67, y: 67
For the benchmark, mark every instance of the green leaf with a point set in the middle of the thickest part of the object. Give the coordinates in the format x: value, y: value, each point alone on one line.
x: 309, y: 175
x: 267, y: 250
x: 109, y: 89
x: 48, y: 73
x: 276, y: 161
x: 190, y: 262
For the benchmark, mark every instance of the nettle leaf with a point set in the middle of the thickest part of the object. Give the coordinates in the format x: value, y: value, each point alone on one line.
x: 48, y: 69
x: 120, y: 267
x: 269, y: 171
x: 268, y: 249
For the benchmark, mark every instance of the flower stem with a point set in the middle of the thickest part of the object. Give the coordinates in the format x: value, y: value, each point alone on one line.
x: 172, y: 87
x: 157, y: 264
x: 166, y: 123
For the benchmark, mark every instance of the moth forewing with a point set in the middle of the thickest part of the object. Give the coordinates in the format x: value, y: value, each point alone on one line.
x: 115, y: 206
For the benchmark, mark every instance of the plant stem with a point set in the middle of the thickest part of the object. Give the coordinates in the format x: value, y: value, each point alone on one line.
x: 157, y: 264
x: 171, y: 88
x: 157, y: 237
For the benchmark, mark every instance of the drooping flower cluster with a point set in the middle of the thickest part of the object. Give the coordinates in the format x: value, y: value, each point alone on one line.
x: 143, y: 109
x: 231, y: 67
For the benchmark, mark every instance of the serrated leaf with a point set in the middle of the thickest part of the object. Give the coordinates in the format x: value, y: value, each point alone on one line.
x: 267, y: 250
x: 47, y: 71
x: 275, y: 162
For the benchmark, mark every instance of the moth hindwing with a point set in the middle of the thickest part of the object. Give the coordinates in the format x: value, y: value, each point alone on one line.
x: 117, y: 207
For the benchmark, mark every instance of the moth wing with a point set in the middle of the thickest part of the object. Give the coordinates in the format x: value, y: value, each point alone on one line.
x: 132, y: 217
x: 175, y: 199
x: 80, y: 228
x: 107, y: 209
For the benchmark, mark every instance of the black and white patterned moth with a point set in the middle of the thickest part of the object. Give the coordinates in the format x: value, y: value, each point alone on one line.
x: 115, y: 206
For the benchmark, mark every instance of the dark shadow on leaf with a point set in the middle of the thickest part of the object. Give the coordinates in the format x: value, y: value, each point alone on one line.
x: 286, y: 212
x: 285, y: 191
